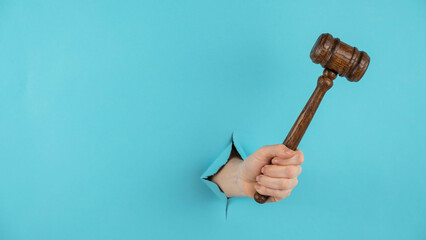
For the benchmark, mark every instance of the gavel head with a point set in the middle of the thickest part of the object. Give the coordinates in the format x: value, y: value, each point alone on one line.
x: 339, y: 57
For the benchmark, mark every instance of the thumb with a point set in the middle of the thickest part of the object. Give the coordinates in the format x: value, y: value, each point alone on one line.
x: 265, y: 154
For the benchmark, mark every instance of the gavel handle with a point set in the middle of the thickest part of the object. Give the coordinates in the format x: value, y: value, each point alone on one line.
x: 296, y: 133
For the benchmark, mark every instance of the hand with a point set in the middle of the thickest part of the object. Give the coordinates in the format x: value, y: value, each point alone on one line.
x: 272, y: 170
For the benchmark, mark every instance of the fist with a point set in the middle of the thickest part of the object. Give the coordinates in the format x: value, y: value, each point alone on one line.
x: 272, y: 170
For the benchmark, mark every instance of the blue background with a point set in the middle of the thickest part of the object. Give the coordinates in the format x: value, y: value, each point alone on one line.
x: 111, y: 111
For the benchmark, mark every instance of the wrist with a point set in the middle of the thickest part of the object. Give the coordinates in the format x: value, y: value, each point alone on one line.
x: 229, y: 178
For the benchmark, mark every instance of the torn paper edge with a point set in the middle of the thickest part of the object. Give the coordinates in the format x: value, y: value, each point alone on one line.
x: 218, y: 163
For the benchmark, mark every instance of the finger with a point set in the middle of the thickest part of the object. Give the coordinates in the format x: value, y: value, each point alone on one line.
x: 285, y: 194
x: 267, y: 152
x: 277, y: 183
x: 278, y: 171
x: 296, y: 159
x: 274, y: 194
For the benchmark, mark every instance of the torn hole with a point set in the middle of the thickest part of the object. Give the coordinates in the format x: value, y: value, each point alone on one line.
x: 234, y: 153
x: 233, y: 150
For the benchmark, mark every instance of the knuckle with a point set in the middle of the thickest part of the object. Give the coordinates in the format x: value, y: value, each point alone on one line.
x: 276, y: 193
x: 261, y: 152
x: 284, y: 184
x: 301, y: 157
x: 291, y: 171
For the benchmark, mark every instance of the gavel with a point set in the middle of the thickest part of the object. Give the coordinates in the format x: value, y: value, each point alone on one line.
x: 336, y: 57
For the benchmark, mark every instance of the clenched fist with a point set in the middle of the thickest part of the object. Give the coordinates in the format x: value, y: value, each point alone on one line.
x: 272, y: 170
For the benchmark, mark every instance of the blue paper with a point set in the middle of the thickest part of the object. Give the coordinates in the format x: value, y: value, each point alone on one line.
x: 110, y: 111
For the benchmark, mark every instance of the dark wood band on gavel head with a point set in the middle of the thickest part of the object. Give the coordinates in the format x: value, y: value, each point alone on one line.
x: 339, y: 57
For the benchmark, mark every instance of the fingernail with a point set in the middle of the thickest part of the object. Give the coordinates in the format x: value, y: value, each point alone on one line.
x: 258, y: 178
x: 257, y: 185
x: 262, y: 170
x: 275, y: 161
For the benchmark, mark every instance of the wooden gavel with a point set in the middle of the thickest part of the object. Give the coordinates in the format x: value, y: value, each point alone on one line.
x: 336, y: 57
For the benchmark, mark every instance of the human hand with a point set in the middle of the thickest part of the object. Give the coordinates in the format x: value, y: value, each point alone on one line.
x: 272, y: 170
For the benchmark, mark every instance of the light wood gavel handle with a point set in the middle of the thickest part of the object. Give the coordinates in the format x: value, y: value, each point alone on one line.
x: 296, y: 133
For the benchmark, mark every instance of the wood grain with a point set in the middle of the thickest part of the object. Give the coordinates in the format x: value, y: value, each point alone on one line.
x: 336, y: 57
